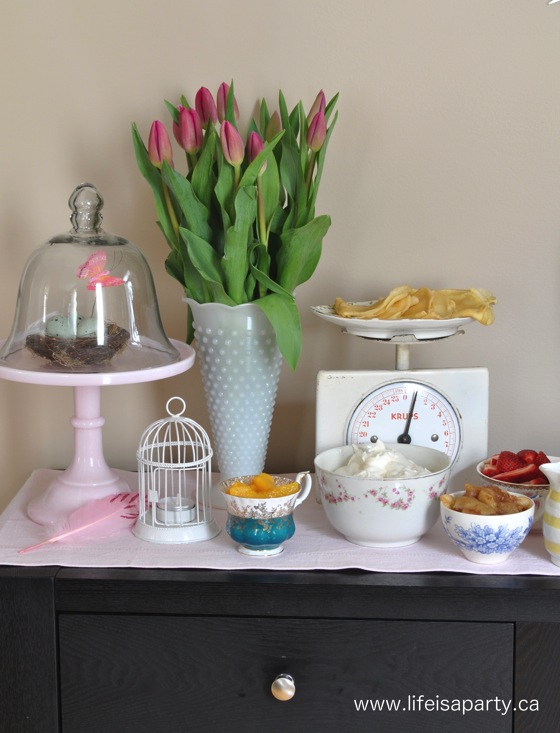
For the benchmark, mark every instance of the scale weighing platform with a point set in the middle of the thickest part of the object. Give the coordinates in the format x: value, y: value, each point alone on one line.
x: 445, y: 409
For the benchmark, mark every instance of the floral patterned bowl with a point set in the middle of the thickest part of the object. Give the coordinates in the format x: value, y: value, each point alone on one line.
x: 487, y: 540
x: 382, y: 512
x: 261, y: 526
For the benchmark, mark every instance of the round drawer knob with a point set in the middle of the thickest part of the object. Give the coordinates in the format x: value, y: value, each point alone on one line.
x: 283, y: 687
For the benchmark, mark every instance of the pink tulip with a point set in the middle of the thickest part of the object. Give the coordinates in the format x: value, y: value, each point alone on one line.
x: 255, y: 145
x: 188, y: 132
x: 206, y: 107
x: 232, y: 144
x: 159, y: 145
x: 318, y: 106
x: 222, y: 96
x: 317, y: 132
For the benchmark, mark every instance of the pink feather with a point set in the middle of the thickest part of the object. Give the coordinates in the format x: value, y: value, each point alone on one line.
x: 102, y: 516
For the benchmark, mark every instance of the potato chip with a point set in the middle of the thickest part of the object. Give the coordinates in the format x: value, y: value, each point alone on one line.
x: 424, y: 303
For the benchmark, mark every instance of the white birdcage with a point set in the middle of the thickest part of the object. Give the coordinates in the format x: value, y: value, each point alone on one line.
x: 174, y: 481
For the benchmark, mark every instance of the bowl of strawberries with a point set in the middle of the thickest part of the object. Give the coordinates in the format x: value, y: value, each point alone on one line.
x: 520, y: 472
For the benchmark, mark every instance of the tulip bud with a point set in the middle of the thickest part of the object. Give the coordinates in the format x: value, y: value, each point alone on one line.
x: 206, y: 107
x: 232, y: 144
x: 317, y: 132
x: 188, y: 132
x: 159, y: 145
x: 318, y: 106
x: 255, y: 145
x: 222, y: 96
x: 274, y: 126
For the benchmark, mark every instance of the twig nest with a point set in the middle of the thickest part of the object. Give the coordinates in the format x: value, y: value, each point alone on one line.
x: 73, y: 342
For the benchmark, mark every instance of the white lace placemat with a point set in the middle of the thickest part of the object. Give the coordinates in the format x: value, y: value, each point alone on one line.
x: 315, y: 546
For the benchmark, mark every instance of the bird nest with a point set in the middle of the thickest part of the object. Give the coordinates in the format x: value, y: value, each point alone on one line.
x: 81, y: 351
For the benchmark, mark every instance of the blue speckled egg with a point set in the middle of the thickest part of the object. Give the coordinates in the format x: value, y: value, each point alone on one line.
x: 63, y: 327
x: 87, y: 327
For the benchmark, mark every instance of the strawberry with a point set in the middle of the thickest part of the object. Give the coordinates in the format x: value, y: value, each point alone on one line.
x: 539, y: 481
x: 529, y: 456
x: 489, y: 470
x: 509, y: 461
x: 527, y: 472
x: 541, y: 458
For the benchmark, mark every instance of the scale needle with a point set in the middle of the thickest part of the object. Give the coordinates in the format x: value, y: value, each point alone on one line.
x: 405, y: 437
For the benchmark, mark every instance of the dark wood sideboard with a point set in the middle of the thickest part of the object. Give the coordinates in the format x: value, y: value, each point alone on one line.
x: 167, y: 651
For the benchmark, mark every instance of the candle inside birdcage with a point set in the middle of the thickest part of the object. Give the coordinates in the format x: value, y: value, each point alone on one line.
x: 174, y: 481
x: 173, y: 511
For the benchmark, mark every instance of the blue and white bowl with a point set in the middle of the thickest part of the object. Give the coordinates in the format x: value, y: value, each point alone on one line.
x: 487, y: 540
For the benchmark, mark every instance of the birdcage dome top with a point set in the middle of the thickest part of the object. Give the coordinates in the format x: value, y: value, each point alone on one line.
x: 175, y: 441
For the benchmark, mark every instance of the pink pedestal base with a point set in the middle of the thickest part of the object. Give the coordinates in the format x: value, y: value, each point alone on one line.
x: 88, y: 477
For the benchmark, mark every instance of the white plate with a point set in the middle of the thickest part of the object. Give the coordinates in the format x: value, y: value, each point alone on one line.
x: 377, y: 328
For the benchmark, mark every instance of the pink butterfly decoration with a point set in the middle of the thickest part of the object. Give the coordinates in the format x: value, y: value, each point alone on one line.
x: 94, y: 268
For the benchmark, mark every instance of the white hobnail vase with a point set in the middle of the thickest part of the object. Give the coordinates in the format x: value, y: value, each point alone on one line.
x: 240, y: 364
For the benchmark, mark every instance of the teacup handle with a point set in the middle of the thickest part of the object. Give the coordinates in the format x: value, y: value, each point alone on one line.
x: 304, y: 479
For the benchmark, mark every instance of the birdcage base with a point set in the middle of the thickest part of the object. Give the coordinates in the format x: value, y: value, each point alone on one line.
x: 192, y: 532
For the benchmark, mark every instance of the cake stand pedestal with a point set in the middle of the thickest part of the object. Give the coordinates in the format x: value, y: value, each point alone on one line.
x: 88, y: 476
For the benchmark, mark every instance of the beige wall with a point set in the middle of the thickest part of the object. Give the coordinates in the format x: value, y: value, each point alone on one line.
x: 444, y: 170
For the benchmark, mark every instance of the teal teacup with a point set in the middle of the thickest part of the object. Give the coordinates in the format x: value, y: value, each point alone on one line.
x: 261, y: 526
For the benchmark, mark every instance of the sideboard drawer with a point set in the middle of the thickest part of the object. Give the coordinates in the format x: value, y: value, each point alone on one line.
x: 122, y: 673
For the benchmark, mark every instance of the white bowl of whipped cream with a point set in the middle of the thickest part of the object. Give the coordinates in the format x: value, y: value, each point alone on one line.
x: 382, y: 495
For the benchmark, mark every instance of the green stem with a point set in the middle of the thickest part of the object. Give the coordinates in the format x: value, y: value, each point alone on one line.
x: 310, y: 172
x: 191, y: 160
x: 263, y: 234
x: 171, y: 211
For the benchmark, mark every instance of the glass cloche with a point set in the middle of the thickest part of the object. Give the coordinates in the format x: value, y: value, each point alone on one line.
x: 87, y: 302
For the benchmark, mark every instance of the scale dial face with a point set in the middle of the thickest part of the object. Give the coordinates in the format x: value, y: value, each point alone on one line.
x: 414, y: 409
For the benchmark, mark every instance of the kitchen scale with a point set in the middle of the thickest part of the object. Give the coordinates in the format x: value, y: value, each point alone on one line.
x: 445, y: 409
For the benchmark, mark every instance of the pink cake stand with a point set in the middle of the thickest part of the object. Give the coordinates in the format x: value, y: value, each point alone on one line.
x: 88, y: 476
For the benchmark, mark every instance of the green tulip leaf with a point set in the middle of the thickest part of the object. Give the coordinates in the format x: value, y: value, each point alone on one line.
x: 173, y: 111
x: 282, y: 312
x: 270, y: 190
x: 300, y: 252
x: 179, y: 266
x: 260, y: 267
x: 207, y: 264
x: 234, y: 262
x: 195, y: 214
x: 264, y: 117
x: 290, y: 171
x: 203, y: 178
x: 225, y: 190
